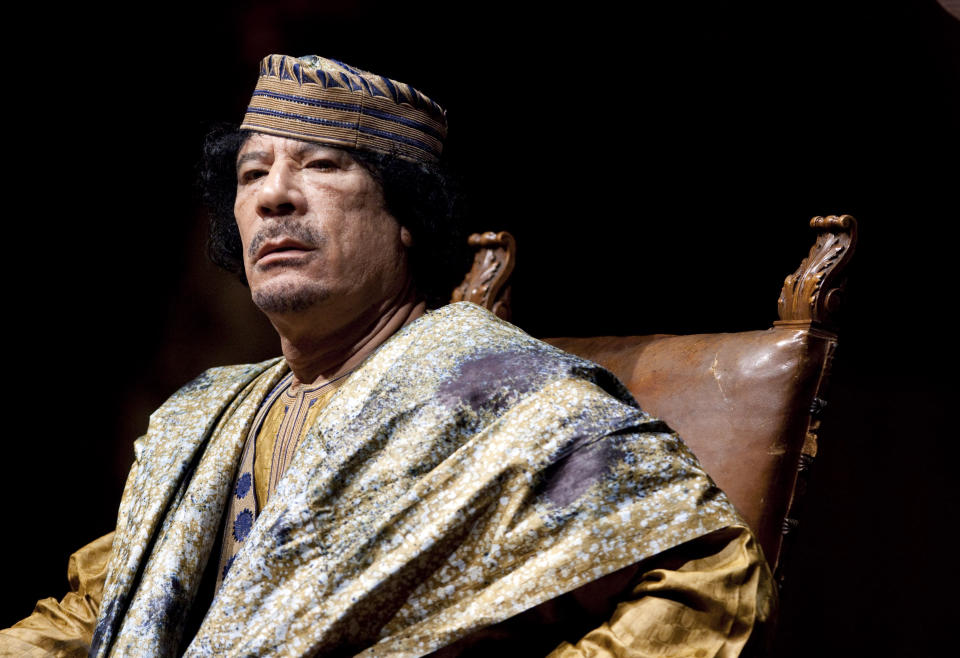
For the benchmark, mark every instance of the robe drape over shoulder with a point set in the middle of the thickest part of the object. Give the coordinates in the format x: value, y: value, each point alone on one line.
x: 464, y: 474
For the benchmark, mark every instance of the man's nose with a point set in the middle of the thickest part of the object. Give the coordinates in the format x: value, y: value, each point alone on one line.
x: 279, y: 194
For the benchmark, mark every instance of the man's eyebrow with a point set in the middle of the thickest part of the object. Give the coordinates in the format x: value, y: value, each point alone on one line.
x: 307, y: 149
x: 251, y: 155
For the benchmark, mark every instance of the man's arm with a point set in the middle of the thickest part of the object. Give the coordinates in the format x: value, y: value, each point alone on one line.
x: 706, y: 598
x: 64, y: 628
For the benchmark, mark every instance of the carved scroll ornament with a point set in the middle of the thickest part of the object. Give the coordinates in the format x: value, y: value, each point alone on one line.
x: 813, y: 293
x: 486, y: 284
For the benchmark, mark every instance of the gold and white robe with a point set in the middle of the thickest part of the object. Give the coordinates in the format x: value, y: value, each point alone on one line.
x: 464, y: 474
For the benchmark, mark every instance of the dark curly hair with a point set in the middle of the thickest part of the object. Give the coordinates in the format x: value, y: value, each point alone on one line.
x: 425, y: 198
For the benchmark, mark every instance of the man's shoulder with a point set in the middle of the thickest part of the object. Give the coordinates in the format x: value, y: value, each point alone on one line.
x: 215, y: 387
x: 465, y: 326
x: 464, y: 332
x: 475, y: 352
x: 191, y: 412
x: 220, y: 376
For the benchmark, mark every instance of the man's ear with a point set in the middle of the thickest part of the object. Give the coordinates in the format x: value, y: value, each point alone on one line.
x: 406, y: 239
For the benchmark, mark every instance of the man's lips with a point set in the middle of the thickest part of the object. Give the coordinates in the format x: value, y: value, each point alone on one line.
x: 277, y: 250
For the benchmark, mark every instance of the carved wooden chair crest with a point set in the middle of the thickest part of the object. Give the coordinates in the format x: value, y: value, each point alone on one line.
x: 747, y: 403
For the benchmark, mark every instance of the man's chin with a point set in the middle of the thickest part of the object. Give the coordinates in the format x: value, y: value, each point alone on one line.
x: 288, y: 297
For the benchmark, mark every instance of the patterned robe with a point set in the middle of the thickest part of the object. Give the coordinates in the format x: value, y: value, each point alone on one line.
x: 464, y: 473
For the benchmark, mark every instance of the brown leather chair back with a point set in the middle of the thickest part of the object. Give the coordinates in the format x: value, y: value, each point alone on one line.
x: 746, y: 403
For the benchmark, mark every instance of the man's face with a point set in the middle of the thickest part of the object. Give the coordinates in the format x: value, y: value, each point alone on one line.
x: 315, y: 229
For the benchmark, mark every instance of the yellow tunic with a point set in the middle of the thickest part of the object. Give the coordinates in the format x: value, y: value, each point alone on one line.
x: 282, y: 422
x: 291, y: 414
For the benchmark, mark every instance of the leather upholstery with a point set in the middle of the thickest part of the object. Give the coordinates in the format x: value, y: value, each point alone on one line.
x: 741, y: 401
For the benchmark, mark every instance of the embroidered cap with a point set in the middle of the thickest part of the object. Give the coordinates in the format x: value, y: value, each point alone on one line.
x: 323, y: 100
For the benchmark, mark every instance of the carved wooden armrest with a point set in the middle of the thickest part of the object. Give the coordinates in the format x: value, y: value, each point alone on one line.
x: 813, y: 293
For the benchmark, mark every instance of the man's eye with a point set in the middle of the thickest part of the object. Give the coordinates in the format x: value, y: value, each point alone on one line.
x: 251, y: 175
x: 322, y: 164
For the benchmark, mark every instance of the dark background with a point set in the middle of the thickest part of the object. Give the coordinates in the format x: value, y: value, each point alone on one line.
x: 657, y: 166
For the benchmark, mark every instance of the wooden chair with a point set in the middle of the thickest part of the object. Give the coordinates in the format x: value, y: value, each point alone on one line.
x: 747, y: 403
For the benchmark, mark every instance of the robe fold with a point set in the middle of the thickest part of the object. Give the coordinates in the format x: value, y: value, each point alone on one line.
x: 463, y: 474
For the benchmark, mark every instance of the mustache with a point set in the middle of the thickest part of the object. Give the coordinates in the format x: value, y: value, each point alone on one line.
x: 301, y: 232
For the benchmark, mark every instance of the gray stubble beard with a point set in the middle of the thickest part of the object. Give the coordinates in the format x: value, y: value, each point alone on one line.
x: 288, y: 297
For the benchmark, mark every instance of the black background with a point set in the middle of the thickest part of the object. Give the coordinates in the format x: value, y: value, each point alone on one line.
x: 658, y: 167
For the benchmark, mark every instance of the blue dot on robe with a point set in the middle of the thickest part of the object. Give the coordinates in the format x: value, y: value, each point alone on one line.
x: 242, y: 525
x: 226, y: 567
x: 243, y: 485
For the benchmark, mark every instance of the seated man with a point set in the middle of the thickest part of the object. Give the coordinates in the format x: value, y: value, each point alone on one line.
x: 401, y: 481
